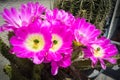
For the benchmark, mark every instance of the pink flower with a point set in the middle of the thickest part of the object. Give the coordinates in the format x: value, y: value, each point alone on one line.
x: 61, y: 48
x: 85, y: 32
x: 22, y: 17
x: 31, y: 42
x: 64, y: 63
x: 101, y: 49
x: 59, y: 16
x: 62, y: 38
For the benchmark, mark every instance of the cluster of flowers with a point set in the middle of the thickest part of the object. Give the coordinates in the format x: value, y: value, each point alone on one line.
x: 46, y: 36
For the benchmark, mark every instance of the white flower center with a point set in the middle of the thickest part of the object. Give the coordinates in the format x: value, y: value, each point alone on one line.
x: 98, y: 51
x: 35, y: 42
x: 57, y: 42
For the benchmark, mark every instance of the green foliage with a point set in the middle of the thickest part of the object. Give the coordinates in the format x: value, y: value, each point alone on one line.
x: 4, y: 49
x: 8, y: 70
x: 95, y: 11
x: 37, y: 71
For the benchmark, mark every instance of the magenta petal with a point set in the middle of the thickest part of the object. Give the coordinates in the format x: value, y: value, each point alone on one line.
x: 65, y: 62
x: 57, y: 57
x: 54, y: 56
x: 14, y: 11
x: 4, y: 27
x: 16, y: 42
x: 111, y: 60
x: 21, y: 52
x: 102, y: 64
x: 111, y: 50
x: 18, y: 49
x: 29, y: 55
x: 96, y: 33
x: 94, y: 60
x: 1, y: 29
x: 37, y: 60
x: 24, y: 55
x: 87, y: 52
x: 6, y: 14
x: 49, y: 57
x: 54, y: 69
x: 41, y: 54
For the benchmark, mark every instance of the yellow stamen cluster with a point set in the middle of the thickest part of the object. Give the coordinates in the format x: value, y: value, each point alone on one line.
x: 35, y: 42
x: 98, y: 52
x: 57, y: 43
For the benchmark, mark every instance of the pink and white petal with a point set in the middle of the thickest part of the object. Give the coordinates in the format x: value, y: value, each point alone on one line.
x: 111, y: 51
x: 54, y: 56
x: 102, y: 64
x: 65, y: 62
x: 7, y: 15
x: 57, y: 56
x: 94, y: 60
x: 67, y: 51
x: 41, y: 53
x: 5, y: 27
x: 15, y: 41
x: 37, y: 60
x: 54, y: 68
x: 21, y: 52
x: 18, y: 49
x: 22, y: 33
x: 93, y: 65
x: 96, y: 33
x: 87, y: 52
x: 111, y: 60
x: 49, y: 57
x: 25, y: 55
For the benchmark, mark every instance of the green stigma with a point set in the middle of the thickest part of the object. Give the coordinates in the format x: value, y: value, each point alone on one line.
x: 98, y: 49
x: 36, y: 41
x: 55, y: 41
